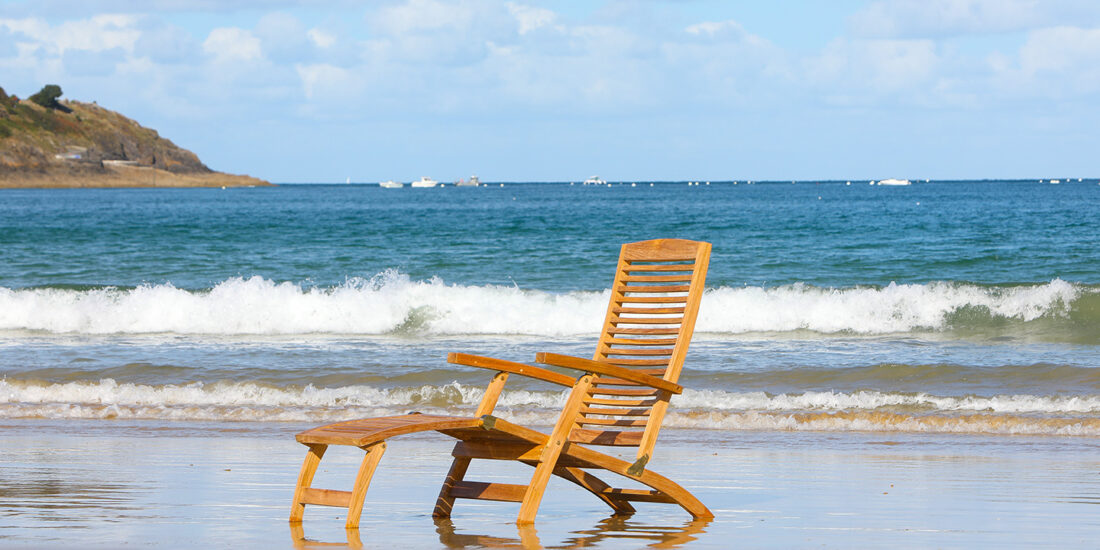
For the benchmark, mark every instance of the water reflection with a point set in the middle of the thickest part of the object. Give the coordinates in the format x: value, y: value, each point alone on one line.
x: 42, y: 492
x: 609, y: 532
x: 298, y: 538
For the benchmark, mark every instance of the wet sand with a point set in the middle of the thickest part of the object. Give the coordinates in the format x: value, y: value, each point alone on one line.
x: 105, y: 484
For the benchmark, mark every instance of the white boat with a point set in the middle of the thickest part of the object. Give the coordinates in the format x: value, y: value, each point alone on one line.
x: 891, y: 181
x: 474, y: 182
x: 595, y: 180
x: 390, y: 184
x: 425, y: 181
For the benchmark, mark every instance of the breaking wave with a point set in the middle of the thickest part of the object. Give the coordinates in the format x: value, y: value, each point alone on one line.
x: 704, y: 409
x: 393, y: 303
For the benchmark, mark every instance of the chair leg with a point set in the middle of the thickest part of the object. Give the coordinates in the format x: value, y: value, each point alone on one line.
x: 362, y: 482
x: 532, y: 498
x: 445, y: 503
x: 305, y: 479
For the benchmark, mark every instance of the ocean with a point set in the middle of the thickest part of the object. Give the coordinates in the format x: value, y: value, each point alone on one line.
x: 968, y: 307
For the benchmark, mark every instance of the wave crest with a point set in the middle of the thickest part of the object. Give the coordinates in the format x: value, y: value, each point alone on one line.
x: 705, y: 409
x: 393, y: 303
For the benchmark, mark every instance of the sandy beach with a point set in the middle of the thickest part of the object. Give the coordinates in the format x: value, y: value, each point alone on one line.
x: 94, y: 484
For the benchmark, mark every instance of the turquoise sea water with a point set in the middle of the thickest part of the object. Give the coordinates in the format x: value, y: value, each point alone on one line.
x: 967, y: 307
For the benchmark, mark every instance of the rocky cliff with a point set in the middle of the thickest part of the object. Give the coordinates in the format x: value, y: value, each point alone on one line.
x: 75, y: 144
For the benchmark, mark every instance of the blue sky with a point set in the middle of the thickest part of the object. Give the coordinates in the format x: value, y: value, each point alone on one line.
x: 526, y: 90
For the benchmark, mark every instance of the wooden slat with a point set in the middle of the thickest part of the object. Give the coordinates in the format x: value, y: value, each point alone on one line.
x: 638, y: 268
x: 586, y: 420
x: 614, y: 412
x: 685, y: 277
x: 617, y: 330
x: 621, y: 402
x: 638, y: 495
x: 636, y: 362
x: 619, y: 320
x: 661, y: 289
x: 633, y: 392
x: 643, y: 299
x: 646, y: 310
x: 325, y: 497
x: 640, y: 341
x: 613, y: 438
x: 505, y: 492
x: 635, y: 352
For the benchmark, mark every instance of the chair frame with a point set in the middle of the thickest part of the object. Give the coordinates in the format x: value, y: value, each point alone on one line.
x: 564, y: 452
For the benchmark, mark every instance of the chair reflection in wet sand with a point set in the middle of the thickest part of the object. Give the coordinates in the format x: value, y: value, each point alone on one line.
x: 619, y: 399
x: 298, y: 538
x: 608, y: 531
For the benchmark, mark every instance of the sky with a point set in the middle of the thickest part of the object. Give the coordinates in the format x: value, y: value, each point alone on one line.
x: 528, y: 90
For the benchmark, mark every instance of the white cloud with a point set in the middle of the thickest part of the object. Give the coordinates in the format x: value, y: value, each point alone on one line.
x: 932, y: 18
x: 714, y: 29
x: 531, y: 18
x: 863, y: 69
x: 102, y: 32
x: 320, y: 38
x: 417, y: 16
x: 1057, y: 62
x: 329, y: 82
x: 167, y: 44
x: 232, y: 44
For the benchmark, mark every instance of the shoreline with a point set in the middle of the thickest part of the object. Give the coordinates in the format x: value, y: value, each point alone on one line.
x: 119, y: 177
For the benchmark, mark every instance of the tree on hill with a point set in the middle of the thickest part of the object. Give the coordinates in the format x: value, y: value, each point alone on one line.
x: 47, y: 97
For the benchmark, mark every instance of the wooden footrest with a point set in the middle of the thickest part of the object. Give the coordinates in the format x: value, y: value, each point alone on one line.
x: 506, y: 492
x: 326, y: 497
x: 368, y: 431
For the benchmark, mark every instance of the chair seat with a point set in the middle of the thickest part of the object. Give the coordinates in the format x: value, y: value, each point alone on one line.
x: 368, y: 431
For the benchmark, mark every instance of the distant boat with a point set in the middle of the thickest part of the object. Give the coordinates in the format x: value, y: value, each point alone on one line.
x: 474, y: 182
x: 1055, y: 182
x: 425, y: 181
x: 595, y: 180
x: 891, y: 181
x: 390, y: 184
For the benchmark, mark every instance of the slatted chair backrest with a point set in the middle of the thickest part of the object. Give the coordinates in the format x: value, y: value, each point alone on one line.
x: 648, y: 327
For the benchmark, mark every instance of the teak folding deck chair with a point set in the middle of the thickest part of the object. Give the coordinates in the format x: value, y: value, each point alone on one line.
x: 620, y: 399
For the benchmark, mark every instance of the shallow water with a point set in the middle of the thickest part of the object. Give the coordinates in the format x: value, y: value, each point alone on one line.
x: 95, y: 484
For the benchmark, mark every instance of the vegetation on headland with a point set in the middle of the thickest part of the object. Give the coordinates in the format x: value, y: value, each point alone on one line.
x: 45, y: 142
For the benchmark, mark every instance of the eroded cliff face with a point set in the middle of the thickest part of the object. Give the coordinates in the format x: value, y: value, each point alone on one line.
x: 38, y: 138
x: 86, y: 141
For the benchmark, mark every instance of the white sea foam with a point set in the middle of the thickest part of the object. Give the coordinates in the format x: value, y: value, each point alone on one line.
x: 707, y: 409
x: 391, y: 302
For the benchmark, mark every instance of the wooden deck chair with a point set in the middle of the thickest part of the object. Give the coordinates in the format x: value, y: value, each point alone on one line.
x: 619, y: 399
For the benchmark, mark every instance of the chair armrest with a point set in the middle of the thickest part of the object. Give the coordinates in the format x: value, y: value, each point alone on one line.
x: 607, y: 369
x: 510, y: 367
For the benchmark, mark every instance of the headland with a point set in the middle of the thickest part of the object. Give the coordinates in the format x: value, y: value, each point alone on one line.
x: 58, y: 144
